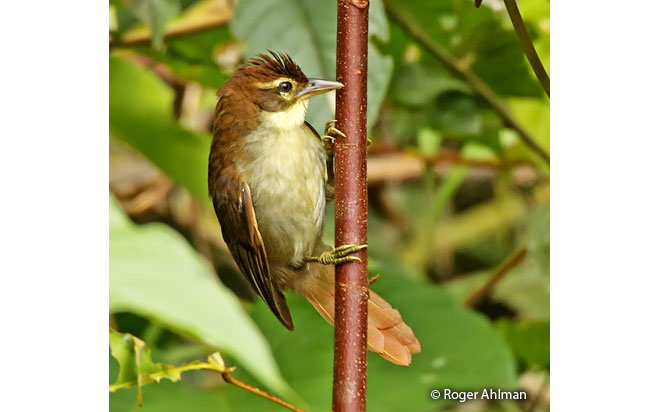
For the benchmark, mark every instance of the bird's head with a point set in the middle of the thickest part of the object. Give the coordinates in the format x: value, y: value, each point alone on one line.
x: 277, y: 87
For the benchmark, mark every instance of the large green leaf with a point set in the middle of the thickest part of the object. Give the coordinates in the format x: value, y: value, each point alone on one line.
x: 307, y: 30
x: 156, y: 274
x: 140, y: 113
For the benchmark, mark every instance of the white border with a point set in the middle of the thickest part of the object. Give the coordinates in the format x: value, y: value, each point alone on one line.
x: 53, y: 205
x: 601, y: 212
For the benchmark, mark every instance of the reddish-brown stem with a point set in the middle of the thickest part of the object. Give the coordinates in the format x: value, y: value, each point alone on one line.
x: 351, y: 284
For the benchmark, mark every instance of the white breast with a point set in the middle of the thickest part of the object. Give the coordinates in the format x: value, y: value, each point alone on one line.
x: 285, y: 168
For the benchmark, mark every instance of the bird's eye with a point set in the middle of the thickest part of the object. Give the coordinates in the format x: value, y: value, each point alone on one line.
x: 285, y: 87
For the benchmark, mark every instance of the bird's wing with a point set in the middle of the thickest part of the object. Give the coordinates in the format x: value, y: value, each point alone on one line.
x: 317, y: 135
x: 235, y: 211
x: 330, y: 175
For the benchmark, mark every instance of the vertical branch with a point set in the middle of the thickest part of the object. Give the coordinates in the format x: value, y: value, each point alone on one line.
x: 351, y: 284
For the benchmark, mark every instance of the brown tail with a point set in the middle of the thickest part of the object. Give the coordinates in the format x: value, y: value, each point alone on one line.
x: 387, y: 334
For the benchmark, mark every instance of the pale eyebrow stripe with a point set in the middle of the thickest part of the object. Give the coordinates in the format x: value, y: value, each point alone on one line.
x: 273, y: 83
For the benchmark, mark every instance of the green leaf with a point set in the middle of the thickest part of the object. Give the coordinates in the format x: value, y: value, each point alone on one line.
x: 307, y: 30
x: 136, y: 363
x: 155, y: 14
x: 156, y: 274
x: 419, y: 84
x: 136, y: 367
x: 140, y: 113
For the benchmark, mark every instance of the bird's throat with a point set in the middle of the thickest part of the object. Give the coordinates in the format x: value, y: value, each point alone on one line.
x: 291, y: 118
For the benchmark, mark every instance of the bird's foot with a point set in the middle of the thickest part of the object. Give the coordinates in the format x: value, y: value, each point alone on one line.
x: 331, y: 133
x: 338, y: 255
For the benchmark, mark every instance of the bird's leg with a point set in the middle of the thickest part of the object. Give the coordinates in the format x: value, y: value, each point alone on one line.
x: 337, y: 255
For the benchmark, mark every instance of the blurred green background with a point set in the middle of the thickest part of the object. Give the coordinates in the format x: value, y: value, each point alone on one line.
x: 454, y: 197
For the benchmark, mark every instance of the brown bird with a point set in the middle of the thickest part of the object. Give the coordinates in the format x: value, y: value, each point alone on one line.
x: 268, y: 180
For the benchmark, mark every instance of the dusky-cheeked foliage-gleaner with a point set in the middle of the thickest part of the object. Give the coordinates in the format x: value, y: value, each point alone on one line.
x: 269, y: 184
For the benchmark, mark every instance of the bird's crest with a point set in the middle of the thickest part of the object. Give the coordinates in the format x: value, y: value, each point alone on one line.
x: 280, y: 64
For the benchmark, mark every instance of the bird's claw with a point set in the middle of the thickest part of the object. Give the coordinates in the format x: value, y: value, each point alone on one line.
x: 338, y: 255
x: 331, y: 130
x: 328, y: 140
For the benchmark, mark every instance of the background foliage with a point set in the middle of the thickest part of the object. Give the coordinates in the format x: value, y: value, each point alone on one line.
x: 453, y: 193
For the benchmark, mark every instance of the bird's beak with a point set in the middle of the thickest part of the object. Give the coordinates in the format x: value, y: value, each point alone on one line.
x: 318, y: 86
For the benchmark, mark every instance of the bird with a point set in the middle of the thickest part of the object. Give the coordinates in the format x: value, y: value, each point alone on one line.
x: 269, y: 184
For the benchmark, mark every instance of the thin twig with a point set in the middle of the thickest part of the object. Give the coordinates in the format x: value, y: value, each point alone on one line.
x: 526, y: 43
x: 230, y: 379
x: 458, y: 68
x: 496, y: 276
x: 144, y: 37
x: 226, y: 375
